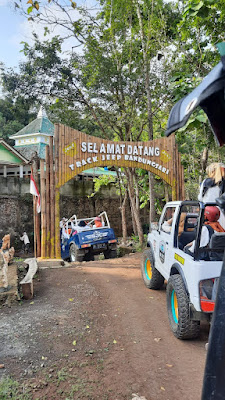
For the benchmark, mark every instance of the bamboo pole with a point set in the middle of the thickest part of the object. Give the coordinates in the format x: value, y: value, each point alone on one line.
x: 57, y: 193
x: 43, y: 211
x: 37, y: 227
x: 52, y: 200
x: 174, y: 175
x: 62, y: 140
x: 48, y: 238
x: 178, y: 194
x: 34, y: 218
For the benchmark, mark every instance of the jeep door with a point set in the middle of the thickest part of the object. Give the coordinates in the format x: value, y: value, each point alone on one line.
x: 164, y: 252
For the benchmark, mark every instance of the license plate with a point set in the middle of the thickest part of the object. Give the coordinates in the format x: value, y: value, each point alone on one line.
x: 99, y: 246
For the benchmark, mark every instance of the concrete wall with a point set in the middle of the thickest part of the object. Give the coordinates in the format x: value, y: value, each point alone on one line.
x: 16, y: 206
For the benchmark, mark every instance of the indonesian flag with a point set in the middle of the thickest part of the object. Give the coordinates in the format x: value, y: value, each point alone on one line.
x: 34, y: 191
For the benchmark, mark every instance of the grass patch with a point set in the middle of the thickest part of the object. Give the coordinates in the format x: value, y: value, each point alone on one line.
x: 10, y: 389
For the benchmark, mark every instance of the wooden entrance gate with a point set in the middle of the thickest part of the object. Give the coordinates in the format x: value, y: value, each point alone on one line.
x: 76, y: 151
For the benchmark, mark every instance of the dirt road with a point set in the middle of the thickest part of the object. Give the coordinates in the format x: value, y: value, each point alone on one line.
x: 95, y: 332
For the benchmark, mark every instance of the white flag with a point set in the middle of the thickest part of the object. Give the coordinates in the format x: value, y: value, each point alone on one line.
x: 34, y: 191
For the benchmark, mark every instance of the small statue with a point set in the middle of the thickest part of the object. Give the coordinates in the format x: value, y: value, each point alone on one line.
x: 6, y: 256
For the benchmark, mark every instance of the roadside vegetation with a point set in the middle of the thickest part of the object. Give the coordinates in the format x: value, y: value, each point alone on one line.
x: 11, y: 389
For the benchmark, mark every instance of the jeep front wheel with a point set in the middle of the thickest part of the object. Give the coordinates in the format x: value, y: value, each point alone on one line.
x: 178, y: 310
x: 74, y: 253
x: 151, y: 276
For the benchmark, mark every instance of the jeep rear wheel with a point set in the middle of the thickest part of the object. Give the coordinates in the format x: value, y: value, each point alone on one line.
x: 110, y: 253
x: 74, y: 253
x: 89, y: 257
x: 178, y: 310
x: 151, y: 276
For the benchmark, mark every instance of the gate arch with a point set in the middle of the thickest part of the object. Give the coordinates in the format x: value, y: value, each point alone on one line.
x: 76, y: 151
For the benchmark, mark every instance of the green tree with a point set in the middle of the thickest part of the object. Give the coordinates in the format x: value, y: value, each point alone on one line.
x: 14, y: 115
x: 117, y: 84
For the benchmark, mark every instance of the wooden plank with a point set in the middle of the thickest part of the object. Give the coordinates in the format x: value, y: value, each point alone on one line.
x: 60, y: 153
x: 174, y: 176
x: 35, y: 229
x: 47, y: 172
x: 43, y: 210
x: 52, y: 199
x: 62, y: 136
x: 177, y: 173
x: 37, y: 222
x: 57, y: 193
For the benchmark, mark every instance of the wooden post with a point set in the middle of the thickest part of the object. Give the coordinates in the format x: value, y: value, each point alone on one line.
x: 52, y: 200
x: 35, y: 228
x: 38, y: 227
x: 174, y: 175
x: 57, y: 195
x: 178, y: 194
x: 43, y: 211
x: 21, y: 171
x: 48, y: 238
x: 37, y: 239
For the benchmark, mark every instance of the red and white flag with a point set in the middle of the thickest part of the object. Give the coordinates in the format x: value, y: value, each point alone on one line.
x: 34, y: 191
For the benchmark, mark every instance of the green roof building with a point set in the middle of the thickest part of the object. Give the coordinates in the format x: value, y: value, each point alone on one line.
x: 34, y: 137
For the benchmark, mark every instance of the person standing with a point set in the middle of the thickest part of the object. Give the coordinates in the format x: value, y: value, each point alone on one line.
x: 26, y: 242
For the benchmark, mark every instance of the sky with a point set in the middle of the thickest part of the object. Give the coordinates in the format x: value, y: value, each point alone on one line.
x: 14, y: 29
x: 12, y: 32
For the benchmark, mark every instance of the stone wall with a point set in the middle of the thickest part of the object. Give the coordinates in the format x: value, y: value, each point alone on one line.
x: 16, y: 206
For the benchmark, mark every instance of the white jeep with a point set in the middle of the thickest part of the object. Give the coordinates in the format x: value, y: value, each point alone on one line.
x: 191, y: 281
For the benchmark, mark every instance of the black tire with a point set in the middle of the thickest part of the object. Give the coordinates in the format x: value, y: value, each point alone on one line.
x: 178, y: 310
x: 151, y: 276
x: 89, y: 257
x: 74, y: 254
x: 110, y: 253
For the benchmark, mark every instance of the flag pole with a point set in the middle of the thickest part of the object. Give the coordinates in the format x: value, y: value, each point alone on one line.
x: 35, y: 226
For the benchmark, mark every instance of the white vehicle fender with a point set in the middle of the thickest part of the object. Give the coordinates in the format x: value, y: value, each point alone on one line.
x: 176, y: 269
x: 149, y: 244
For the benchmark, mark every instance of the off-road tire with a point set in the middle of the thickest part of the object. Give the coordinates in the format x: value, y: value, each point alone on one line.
x: 151, y: 276
x: 178, y: 310
x: 110, y: 253
x: 74, y: 254
x: 89, y: 257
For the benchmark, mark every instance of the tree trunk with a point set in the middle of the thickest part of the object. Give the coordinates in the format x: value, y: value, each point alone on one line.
x: 133, y: 220
x: 146, y: 63
x: 123, y: 201
x: 136, y: 212
x: 136, y: 190
x: 123, y: 216
x: 204, y: 161
x: 152, y: 213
